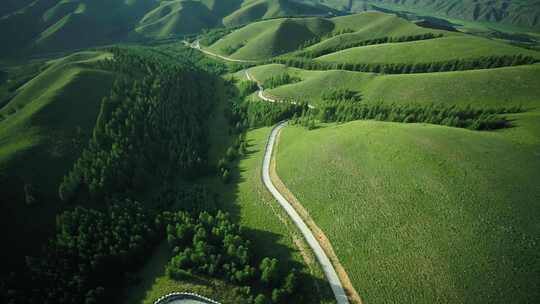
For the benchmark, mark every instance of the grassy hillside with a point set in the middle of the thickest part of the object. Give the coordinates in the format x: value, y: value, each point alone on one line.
x: 252, y: 10
x: 176, y: 17
x: 269, y: 38
x: 54, y: 25
x: 371, y: 25
x: 266, y: 39
x: 42, y: 131
x: 422, y: 213
x: 492, y: 87
x: 517, y: 13
x: 426, y: 51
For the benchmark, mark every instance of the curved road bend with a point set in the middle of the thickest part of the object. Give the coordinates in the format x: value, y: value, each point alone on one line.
x: 323, y: 259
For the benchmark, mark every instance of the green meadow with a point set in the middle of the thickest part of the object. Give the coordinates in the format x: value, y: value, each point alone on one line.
x: 427, y: 51
x: 489, y: 87
x: 421, y: 213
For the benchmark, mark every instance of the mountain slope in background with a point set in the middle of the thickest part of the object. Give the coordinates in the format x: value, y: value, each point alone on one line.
x: 520, y: 13
x: 53, y: 25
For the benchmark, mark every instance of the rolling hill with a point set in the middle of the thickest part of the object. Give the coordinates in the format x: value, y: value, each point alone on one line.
x: 364, y: 38
x: 269, y: 38
x: 55, y: 25
x: 426, y: 51
x: 42, y: 131
x: 491, y: 87
x: 264, y: 39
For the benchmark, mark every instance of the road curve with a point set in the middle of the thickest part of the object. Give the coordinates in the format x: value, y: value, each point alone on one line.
x: 328, y: 268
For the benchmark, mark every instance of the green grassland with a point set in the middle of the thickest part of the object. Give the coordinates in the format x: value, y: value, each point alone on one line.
x: 269, y: 38
x: 42, y: 131
x: 422, y: 213
x: 371, y: 25
x: 261, y: 40
x: 491, y: 87
x: 426, y: 51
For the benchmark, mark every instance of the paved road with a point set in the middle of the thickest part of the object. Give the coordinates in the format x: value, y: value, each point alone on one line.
x: 326, y: 265
x: 328, y: 268
x: 197, y: 45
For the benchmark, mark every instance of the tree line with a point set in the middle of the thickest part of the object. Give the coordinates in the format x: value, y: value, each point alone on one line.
x: 279, y: 80
x: 350, y: 44
x: 454, y: 116
x: 485, y: 62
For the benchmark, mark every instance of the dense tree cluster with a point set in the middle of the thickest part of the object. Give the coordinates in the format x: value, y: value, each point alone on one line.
x: 488, y: 62
x: 279, y: 80
x: 247, y: 87
x: 225, y: 164
x: 91, y: 253
x: 147, y: 129
x: 251, y: 114
x: 350, y: 44
x: 213, y: 245
x: 461, y: 117
x: 141, y: 61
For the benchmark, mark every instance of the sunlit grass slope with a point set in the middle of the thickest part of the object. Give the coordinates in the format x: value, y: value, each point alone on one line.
x: 426, y: 51
x: 491, y: 87
x: 269, y: 38
x: 371, y: 25
x: 424, y: 213
x: 261, y: 40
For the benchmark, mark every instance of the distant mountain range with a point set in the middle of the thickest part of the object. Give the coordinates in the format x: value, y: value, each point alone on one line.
x: 52, y: 25
x: 520, y: 13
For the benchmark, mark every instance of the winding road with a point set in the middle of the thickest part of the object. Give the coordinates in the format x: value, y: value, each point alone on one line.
x: 320, y: 254
x: 328, y: 268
